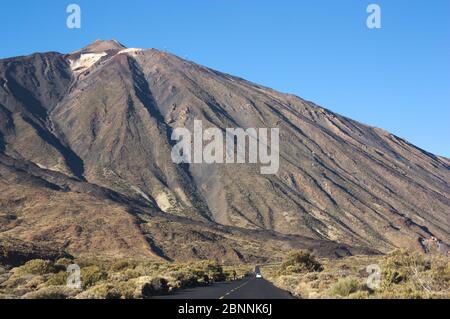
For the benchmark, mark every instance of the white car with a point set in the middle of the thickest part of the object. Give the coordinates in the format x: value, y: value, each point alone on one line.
x: 258, y: 276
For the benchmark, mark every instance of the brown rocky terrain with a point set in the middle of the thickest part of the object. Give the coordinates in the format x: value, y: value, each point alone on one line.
x: 85, y: 166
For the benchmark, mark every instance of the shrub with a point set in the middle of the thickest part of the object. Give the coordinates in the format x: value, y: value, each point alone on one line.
x: 440, y: 273
x: 212, y: 266
x: 58, y: 279
x: 204, y: 280
x: 121, y: 265
x: 414, y: 275
x: 360, y: 294
x: 101, y: 291
x: 16, y: 281
x: 62, y: 264
x: 214, y: 271
x: 397, y: 267
x: 300, y: 262
x: 34, y: 282
x: 183, y: 279
x: 127, y: 289
x: 404, y: 291
x: 344, y: 287
x: 35, y: 267
x: 145, y: 269
x: 131, y: 273
x: 51, y: 292
x: 64, y: 261
x: 157, y: 286
x: 91, y: 275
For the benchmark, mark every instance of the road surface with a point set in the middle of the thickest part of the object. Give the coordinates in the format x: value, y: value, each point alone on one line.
x: 247, y: 288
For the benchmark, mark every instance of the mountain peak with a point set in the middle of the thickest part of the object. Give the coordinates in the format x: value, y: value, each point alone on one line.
x: 102, y: 46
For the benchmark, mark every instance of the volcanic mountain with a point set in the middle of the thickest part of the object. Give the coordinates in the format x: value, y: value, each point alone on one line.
x: 86, y: 168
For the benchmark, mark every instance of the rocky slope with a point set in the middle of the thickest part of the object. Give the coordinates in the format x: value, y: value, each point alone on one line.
x: 86, y: 164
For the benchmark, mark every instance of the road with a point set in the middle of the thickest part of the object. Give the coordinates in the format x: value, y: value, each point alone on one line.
x: 247, y: 288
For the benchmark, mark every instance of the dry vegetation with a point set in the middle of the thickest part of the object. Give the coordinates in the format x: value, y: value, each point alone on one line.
x: 403, y: 274
x: 121, y: 279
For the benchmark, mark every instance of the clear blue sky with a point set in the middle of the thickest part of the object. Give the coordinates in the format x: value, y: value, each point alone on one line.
x: 396, y: 78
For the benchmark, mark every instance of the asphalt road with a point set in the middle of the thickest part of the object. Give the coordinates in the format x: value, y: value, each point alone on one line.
x: 248, y: 288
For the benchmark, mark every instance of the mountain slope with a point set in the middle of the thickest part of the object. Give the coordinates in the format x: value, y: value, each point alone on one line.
x: 102, y: 117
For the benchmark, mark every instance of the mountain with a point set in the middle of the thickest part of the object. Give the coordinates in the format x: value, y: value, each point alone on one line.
x: 86, y: 167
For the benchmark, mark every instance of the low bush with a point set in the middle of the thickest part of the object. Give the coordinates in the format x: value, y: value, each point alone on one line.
x: 101, y: 291
x: 300, y: 262
x: 62, y: 264
x: 413, y: 275
x: 214, y: 271
x: 35, y: 282
x: 345, y: 287
x: 58, y: 279
x: 181, y: 279
x: 127, y: 289
x: 35, y: 267
x: 157, y: 286
x: 91, y: 275
x: 121, y: 265
x: 52, y: 292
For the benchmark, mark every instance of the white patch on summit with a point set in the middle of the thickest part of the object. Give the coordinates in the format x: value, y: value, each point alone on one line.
x: 132, y: 51
x: 86, y: 61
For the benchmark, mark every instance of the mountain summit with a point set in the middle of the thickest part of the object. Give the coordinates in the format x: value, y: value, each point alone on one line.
x: 85, y: 165
x: 100, y: 46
